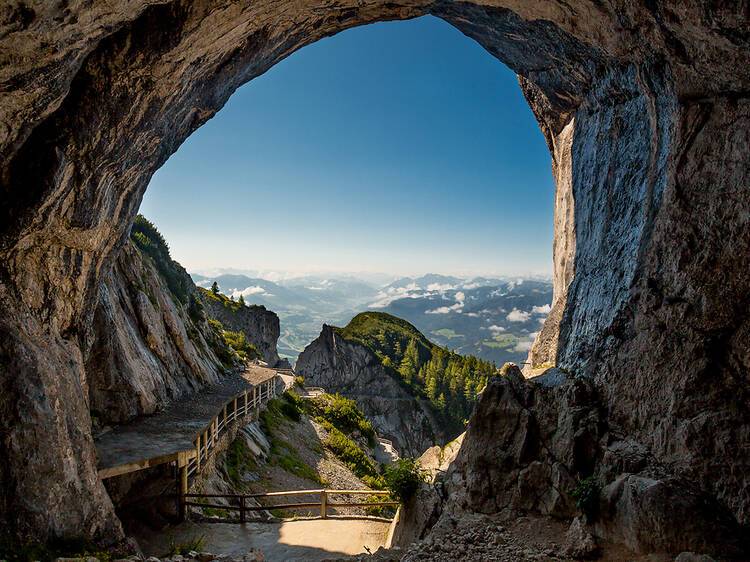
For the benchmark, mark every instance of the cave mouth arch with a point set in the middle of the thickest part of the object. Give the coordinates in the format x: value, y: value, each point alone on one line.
x: 410, y: 121
x: 646, y: 126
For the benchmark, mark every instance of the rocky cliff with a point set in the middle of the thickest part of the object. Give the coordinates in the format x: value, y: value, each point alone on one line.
x: 145, y: 348
x: 352, y: 370
x: 260, y: 326
x: 645, y: 109
x: 543, y: 446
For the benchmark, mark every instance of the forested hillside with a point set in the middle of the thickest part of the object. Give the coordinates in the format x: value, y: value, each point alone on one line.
x: 448, y: 380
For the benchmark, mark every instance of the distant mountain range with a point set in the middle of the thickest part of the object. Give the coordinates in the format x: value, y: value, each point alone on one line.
x: 493, y: 318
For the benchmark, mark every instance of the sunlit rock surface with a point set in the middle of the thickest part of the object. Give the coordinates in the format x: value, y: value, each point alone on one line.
x: 145, y: 348
x: 260, y: 326
x: 348, y: 368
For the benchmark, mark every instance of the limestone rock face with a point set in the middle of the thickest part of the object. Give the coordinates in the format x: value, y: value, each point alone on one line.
x: 145, y: 348
x: 260, y: 326
x: 645, y: 109
x: 531, y: 442
x: 542, y: 439
x: 352, y: 370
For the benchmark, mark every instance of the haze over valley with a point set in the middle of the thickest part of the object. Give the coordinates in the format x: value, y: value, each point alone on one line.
x: 495, y: 319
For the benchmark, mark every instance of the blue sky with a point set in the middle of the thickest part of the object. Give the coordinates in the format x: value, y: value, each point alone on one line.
x: 401, y: 147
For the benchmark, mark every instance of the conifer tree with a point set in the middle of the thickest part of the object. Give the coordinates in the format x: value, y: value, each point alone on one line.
x: 215, y: 288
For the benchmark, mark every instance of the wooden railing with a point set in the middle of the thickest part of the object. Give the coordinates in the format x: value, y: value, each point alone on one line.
x: 237, y: 408
x: 189, y: 463
x: 323, y: 504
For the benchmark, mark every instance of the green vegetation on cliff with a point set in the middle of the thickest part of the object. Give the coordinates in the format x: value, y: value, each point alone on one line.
x: 151, y: 243
x: 227, y: 302
x: 448, y: 380
x: 232, y: 342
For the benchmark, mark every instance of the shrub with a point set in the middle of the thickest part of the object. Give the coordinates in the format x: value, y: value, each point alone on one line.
x: 299, y: 381
x: 403, y: 478
x: 238, y: 342
x: 348, y: 451
x: 586, y: 494
x: 344, y: 414
x: 379, y: 510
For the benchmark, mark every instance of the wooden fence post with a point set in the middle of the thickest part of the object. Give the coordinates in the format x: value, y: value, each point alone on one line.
x: 323, y: 504
x: 198, y: 457
x: 182, y: 468
x: 242, y: 509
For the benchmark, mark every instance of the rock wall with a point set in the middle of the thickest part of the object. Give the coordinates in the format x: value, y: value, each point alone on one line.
x: 352, y: 370
x: 145, y: 349
x: 260, y: 326
x: 644, y: 106
x: 549, y: 434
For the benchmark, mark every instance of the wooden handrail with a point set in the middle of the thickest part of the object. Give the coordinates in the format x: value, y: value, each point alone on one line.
x: 292, y: 493
x: 234, y: 409
x: 323, y: 504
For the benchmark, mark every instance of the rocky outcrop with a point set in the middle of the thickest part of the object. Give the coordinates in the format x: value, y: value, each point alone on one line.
x: 645, y: 109
x: 352, y: 370
x: 145, y: 347
x: 543, y: 446
x: 260, y: 326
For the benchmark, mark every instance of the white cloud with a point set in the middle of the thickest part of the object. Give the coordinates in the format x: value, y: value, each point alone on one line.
x: 460, y: 296
x: 496, y: 328
x: 440, y: 287
x: 516, y: 315
x: 446, y: 309
x: 390, y: 294
x: 472, y: 314
x: 542, y: 309
x: 255, y: 290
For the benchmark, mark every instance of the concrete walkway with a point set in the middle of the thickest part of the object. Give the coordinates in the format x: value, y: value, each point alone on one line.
x: 159, y: 437
x: 308, y: 540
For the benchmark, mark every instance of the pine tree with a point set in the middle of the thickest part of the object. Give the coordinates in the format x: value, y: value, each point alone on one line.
x: 410, y: 362
x: 241, y: 300
x: 407, y: 369
x: 431, y: 386
x: 215, y: 288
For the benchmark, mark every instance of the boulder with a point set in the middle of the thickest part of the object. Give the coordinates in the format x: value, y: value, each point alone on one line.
x: 579, y: 542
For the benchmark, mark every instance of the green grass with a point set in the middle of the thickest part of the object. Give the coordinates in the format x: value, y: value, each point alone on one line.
x: 231, y: 346
x: 447, y: 333
x: 279, y: 411
x: 239, y: 460
x: 342, y: 413
x: 350, y: 453
x: 447, y: 380
x: 403, y: 478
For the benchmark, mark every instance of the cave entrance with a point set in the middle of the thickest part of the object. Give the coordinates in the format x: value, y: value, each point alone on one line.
x: 631, y: 103
x: 390, y: 150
